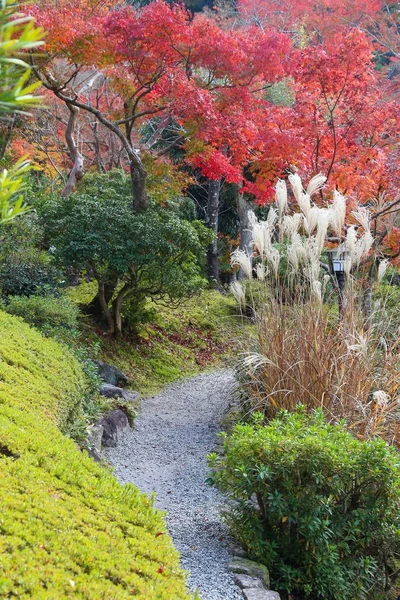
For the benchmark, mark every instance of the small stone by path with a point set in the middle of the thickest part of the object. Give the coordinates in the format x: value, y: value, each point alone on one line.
x: 166, y: 453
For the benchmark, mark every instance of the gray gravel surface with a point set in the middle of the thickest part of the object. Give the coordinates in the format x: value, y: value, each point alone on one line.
x: 166, y: 453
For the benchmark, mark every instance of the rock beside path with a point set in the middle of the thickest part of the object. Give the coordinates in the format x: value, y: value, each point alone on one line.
x: 111, y: 391
x: 246, y: 582
x: 166, y: 453
x: 95, y: 436
x: 114, y: 425
x: 251, y: 569
x: 110, y: 374
x: 256, y: 594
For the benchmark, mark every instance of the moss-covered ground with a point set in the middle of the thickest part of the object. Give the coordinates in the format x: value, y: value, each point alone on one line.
x: 174, y: 342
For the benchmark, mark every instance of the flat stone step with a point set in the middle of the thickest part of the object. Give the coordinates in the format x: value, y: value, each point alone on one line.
x: 257, y: 594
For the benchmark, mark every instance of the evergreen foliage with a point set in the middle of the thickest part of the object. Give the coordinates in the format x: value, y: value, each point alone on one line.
x: 317, y: 506
x: 155, y: 254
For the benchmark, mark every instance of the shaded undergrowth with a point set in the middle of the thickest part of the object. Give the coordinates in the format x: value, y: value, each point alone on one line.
x: 174, y: 342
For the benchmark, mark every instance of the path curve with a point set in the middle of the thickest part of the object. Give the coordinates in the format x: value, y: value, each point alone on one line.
x: 166, y: 453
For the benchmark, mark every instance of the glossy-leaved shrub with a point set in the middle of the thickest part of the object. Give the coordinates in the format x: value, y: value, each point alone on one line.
x: 27, y: 276
x: 320, y: 508
x: 154, y: 254
x: 68, y: 529
x: 25, y: 268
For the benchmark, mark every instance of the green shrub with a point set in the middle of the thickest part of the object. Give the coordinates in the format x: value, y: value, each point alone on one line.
x: 68, y: 529
x: 318, y: 507
x: 38, y: 375
x: 25, y: 276
x: 155, y: 254
x: 45, y: 312
x: 25, y: 269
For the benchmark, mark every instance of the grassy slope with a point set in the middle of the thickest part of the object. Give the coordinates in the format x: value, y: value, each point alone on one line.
x: 176, y: 342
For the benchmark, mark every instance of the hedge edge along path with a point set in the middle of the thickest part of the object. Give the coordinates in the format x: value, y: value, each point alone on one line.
x: 68, y: 529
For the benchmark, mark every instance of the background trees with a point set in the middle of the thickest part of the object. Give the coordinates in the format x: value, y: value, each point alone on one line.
x: 122, y: 76
x: 155, y: 67
x: 293, y: 86
x: 347, y: 125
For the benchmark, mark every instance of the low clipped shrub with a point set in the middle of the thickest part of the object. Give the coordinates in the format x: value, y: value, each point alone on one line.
x: 57, y: 317
x: 68, y: 529
x: 45, y: 312
x: 26, y: 269
x: 38, y: 375
x: 27, y: 276
x: 320, y: 508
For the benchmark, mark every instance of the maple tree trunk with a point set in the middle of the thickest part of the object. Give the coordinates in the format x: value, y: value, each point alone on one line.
x: 243, y: 209
x: 214, y: 187
x: 138, y: 173
x: 97, y: 148
x: 77, y: 170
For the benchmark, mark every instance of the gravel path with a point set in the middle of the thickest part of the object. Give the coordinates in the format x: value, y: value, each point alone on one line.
x: 166, y: 453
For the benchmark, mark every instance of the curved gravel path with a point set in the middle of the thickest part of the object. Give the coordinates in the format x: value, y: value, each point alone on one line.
x: 166, y: 453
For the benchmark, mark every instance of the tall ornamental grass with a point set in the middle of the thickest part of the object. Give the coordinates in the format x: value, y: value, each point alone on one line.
x: 305, y: 352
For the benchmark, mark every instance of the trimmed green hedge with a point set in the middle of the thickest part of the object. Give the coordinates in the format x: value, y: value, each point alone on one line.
x: 68, y: 529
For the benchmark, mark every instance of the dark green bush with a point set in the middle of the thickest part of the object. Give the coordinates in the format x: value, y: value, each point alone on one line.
x: 68, y: 529
x: 22, y: 276
x: 155, y: 254
x: 320, y: 508
x: 25, y: 268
